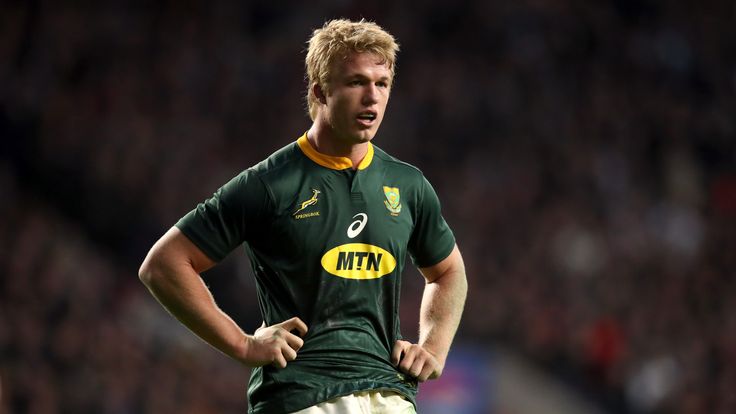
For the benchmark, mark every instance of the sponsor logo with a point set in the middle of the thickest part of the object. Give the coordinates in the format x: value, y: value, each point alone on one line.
x: 304, y: 204
x: 358, y: 225
x: 393, y: 200
x: 358, y: 261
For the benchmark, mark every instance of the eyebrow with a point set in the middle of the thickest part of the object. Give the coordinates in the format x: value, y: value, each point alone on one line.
x: 361, y: 76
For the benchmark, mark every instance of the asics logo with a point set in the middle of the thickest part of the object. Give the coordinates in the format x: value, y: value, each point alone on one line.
x: 358, y: 225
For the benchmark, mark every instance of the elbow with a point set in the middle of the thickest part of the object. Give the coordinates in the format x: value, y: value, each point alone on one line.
x: 147, y: 272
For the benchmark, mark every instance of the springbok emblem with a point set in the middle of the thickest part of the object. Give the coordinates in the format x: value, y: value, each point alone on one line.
x: 310, y: 202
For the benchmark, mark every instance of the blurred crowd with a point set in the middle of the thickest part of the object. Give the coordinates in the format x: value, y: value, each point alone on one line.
x: 584, y: 154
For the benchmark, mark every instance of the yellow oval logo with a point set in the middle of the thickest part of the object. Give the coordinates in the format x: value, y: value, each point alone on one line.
x: 358, y: 261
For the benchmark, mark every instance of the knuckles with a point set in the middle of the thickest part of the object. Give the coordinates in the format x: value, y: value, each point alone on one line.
x: 419, y: 363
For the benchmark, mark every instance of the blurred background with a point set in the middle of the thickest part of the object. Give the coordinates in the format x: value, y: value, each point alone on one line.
x: 584, y: 153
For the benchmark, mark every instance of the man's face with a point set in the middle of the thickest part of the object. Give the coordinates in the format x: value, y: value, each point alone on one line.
x: 357, y: 99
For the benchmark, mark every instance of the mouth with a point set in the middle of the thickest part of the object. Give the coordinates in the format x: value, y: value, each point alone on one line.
x: 367, y: 117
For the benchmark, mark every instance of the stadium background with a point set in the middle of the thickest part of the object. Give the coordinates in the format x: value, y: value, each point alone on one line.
x: 583, y: 150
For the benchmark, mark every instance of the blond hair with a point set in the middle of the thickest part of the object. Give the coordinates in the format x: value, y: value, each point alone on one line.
x: 336, y: 40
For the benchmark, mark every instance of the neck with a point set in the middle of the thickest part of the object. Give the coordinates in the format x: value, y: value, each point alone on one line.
x: 323, y: 139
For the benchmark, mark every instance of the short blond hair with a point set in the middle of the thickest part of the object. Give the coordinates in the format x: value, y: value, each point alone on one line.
x: 336, y: 40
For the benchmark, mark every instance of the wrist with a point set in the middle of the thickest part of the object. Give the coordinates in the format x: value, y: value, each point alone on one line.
x: 241, y: 347
x: 438, y: 355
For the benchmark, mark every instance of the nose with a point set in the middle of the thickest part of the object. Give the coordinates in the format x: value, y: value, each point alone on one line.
x: 370, y: 94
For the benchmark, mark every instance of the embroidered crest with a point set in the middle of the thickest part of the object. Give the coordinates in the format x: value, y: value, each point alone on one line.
x: 393, y: 200
x: 304, y: 204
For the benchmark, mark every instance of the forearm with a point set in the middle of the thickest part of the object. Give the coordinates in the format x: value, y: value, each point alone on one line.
x: 441, y: 309
x: 183, y: 293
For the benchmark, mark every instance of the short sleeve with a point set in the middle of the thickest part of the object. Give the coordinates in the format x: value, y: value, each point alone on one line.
x: 431, y: 240
x: 227, y: 219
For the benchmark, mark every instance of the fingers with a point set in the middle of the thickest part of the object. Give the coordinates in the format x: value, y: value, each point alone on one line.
x: 416, y: 361
x: 275, y: 344
x: 289, y: 343
x: 279, y: 361
x: 422, y: 368
x: 288, y: 352
x: 399, y: 347
x: 294, y: 323
x: 282, y: 352
x: 293, y: 341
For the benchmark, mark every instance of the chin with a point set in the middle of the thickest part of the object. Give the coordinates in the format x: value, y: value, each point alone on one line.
x: 365, y: 136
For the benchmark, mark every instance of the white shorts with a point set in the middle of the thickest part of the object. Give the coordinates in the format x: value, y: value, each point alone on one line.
x: 364, y: 402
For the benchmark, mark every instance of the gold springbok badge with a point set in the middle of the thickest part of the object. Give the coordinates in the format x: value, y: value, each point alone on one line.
x: 310, y: 202
x: 393, y: 200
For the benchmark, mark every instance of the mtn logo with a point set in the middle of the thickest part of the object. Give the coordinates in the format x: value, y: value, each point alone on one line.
x: 358, y: 261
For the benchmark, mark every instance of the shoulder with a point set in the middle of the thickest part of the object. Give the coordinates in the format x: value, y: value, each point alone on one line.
x: 276, y: 167
x: 262, y: 176
x: 394, y: 164
x: 280, y: 159
x: 283, y: 174
x: 403, y: 177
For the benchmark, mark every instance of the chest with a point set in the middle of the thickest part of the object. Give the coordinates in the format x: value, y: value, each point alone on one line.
x: 360, y: 218
x: 346, y: 205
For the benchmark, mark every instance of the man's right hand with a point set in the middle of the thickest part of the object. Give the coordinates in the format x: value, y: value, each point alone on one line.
x: 275, y: 344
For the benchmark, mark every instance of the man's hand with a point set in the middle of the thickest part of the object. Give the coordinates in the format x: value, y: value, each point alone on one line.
x: 416, y: 361
x: 275, y: 344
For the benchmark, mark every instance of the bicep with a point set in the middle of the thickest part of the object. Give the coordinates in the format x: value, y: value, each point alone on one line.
x: 174, y: 249
x: 451, y: 264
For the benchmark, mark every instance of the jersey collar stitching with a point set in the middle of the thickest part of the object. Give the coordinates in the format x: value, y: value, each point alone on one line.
x: 328, y: 161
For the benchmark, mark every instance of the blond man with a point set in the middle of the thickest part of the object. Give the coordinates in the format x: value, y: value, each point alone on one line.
x: 327, y: 222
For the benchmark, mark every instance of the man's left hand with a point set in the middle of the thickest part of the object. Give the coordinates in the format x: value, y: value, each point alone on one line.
x: 414, y: 360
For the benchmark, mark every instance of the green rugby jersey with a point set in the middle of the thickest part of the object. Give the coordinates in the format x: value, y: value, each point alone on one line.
x: 327, y: 244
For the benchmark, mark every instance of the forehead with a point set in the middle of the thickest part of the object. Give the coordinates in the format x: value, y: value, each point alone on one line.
x: 365, y: 63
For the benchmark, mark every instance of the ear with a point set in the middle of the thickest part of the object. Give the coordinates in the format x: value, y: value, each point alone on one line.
x: 319, y: 94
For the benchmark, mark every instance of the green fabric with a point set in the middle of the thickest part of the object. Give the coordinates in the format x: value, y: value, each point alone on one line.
x: 353, y: 323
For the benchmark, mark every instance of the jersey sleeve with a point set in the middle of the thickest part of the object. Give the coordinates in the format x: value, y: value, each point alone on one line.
x: 230, y: 217
x: 431, y: 240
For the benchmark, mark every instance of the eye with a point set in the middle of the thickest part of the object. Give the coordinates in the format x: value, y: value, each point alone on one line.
x: 382, y: 84
x: 355, y: 82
